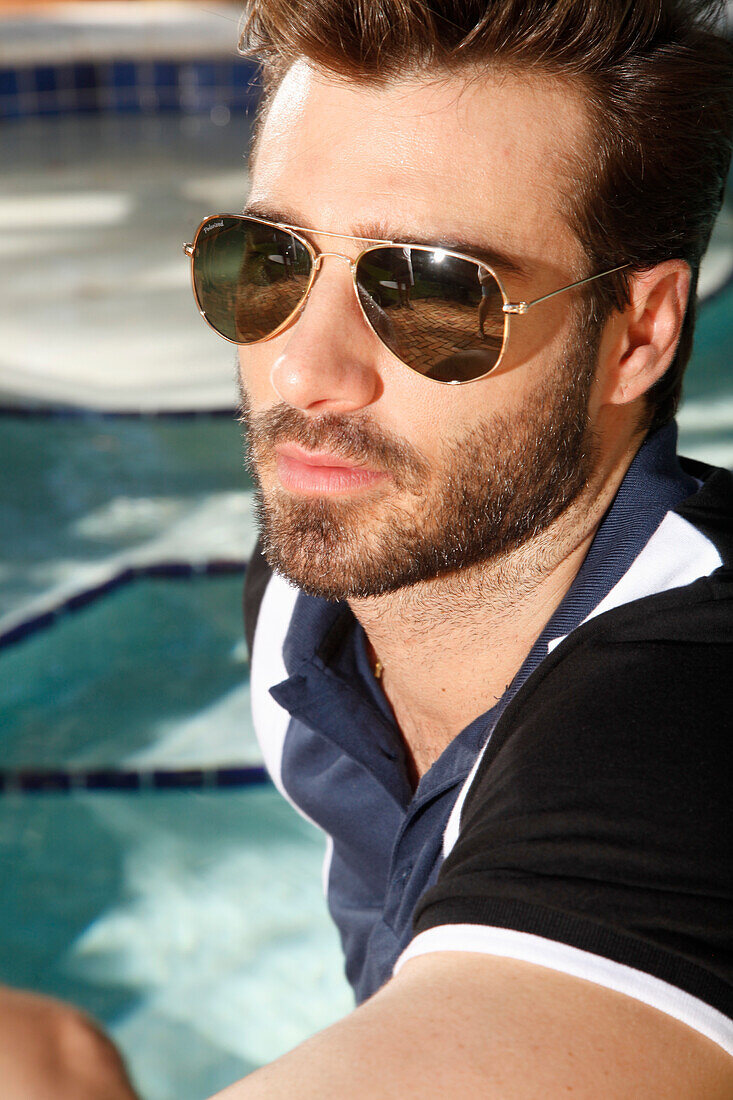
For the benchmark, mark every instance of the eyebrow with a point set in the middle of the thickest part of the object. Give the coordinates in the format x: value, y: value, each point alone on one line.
x: 377, y: 231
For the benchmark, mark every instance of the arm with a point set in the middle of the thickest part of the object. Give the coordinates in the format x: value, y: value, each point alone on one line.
x: 453, y: 1024
x: 51, y: 1051
x: 600, y: 823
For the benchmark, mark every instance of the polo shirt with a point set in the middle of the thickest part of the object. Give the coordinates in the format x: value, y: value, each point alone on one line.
x: 544, y: 831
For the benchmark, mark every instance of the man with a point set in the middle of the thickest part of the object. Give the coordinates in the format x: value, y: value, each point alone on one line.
x: 492, y: 635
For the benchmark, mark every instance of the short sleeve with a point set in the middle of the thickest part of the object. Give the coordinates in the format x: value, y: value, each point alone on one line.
x: 597, y: 835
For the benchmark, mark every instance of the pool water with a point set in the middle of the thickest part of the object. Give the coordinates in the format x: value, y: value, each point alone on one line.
x: 706, y: 415
x: 191, y: 923
x: 83, y: 497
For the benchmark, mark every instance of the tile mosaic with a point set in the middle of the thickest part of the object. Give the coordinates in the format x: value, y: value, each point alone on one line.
x: 206, y: 74
x: 8, y: 82
x: 165, y: 74
x: 45, y: 79
x: 124, y: 86
x: 84, y: 75
x: 124, y: 74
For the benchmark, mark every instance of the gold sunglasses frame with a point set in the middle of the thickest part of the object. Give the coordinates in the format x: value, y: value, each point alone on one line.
x: 509, y: 308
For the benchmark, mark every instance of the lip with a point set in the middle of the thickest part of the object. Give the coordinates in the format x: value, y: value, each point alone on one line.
x: 322, y: 472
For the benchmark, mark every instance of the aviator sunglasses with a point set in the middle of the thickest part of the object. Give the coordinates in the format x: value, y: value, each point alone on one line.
x: 443, y: 314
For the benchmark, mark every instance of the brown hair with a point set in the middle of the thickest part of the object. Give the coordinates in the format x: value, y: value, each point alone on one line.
x: 658, y: 82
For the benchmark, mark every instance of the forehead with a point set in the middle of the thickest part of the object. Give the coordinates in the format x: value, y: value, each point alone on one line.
x: 486, y: 153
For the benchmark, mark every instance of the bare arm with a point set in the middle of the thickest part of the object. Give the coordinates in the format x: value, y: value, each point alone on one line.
x: 477, y: 1026
x: 51, y: 1051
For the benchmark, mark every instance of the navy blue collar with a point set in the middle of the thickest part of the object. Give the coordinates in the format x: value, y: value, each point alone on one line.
x: 654, y: 484
x: 325, y: 656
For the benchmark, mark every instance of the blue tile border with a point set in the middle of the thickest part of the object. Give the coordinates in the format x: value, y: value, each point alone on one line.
x: 123, y: 85
x: 8, y: 82
x: 46, y: 79
x: 167, y: 570
x: 119, y: 779
x: 128, y: 780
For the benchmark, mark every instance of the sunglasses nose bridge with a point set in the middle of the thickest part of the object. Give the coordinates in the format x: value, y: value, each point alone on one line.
x: 318, y: 260
x: 337, y: 255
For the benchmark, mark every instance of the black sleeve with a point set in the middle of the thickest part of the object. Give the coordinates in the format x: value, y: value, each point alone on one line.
x: 255, y: 582
x: 600, y: 816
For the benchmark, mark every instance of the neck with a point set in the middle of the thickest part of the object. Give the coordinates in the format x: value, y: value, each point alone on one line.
x: 449, y: 647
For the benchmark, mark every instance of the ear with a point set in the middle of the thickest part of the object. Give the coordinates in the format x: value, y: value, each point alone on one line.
x: 643, y: 339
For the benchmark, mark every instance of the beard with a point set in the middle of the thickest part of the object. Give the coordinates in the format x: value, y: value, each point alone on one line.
x: 493, y: 488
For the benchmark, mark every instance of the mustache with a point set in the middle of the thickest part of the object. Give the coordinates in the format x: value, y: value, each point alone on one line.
x: 349, y: 437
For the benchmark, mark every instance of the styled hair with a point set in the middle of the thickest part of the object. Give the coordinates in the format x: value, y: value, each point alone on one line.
x: 656, y: 77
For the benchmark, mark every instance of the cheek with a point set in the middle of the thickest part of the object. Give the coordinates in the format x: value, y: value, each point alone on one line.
x: 538, y: 347
x: 539, y: 336
x: 255, y: 364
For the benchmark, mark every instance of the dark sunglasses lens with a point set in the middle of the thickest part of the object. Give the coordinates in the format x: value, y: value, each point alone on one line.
x: 439, y: 314
x: 248, y: 277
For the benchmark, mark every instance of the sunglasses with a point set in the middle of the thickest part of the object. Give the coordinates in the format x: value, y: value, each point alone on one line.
x: 444, y: 315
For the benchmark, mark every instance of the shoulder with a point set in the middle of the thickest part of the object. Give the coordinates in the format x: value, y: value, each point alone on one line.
x: 600, y: 816
x: 711, y: 508
x: 644, y: 690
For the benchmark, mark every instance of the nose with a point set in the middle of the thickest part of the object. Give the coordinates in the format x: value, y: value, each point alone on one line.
x: 327, y: 358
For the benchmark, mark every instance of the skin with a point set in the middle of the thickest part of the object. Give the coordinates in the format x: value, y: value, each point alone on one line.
x: 50, y: 1051
x: 408, y: 161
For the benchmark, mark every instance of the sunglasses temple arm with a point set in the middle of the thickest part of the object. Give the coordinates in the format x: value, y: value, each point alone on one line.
x: 522, y: 307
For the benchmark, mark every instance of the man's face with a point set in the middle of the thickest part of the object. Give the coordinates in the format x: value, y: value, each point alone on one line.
x: 372, y: 477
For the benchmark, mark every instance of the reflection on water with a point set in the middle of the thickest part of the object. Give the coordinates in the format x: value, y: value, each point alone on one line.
x: 101, y: 206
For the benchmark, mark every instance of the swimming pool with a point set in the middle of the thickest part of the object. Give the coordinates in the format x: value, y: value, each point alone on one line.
x: 189, y: 921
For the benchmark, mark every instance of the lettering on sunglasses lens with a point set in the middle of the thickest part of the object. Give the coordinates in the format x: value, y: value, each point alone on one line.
x: 213, y: 225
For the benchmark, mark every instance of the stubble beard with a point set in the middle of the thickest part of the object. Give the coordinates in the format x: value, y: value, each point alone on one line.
x: 495, y: 487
